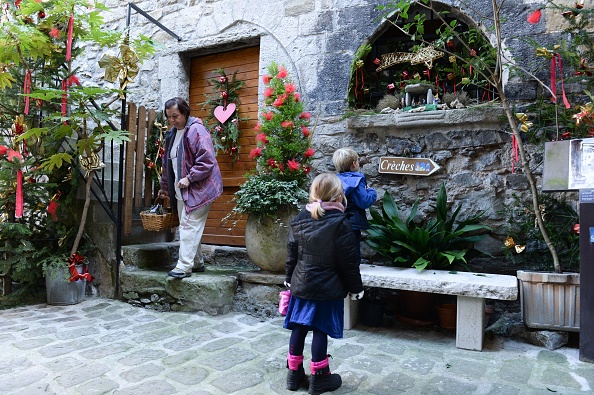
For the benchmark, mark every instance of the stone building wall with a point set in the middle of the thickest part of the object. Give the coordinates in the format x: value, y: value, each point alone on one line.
x: 316, y: 41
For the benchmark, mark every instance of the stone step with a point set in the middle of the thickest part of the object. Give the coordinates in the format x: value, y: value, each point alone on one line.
x: 212, y: 291
x: 161, y: 255
x: 144, y: 281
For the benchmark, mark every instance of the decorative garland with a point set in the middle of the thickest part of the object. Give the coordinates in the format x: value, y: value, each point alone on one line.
x: 224, y: 113
x: 156, y: 148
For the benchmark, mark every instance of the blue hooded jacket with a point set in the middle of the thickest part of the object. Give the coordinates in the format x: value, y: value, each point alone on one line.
x: 359, y: 197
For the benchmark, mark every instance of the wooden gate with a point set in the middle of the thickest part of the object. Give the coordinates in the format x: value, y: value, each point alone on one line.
x: 245, y: 62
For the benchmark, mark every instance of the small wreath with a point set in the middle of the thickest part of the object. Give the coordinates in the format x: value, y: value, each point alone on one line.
x: 224, y: 109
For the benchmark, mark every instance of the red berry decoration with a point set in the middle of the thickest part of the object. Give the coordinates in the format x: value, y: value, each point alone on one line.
x: 41, y: 14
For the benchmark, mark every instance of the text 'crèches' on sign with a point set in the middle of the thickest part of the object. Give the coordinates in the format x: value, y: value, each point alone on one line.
x: 410, y: 166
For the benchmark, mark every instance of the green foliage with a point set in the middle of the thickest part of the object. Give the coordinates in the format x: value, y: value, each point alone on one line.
x: 559, y: 217
x: 433, y: 244
x: 263, y: 194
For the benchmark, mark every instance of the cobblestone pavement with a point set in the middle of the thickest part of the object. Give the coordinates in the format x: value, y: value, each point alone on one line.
x: 104, y: 346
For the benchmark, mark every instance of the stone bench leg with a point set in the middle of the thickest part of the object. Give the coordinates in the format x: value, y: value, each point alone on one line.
x: 470, y: 323
x: 351, y: 312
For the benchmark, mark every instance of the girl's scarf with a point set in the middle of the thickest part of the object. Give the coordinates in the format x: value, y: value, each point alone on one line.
x: 326, y: 206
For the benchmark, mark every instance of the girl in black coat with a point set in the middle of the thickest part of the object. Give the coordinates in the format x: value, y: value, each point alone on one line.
x: 322, y: 268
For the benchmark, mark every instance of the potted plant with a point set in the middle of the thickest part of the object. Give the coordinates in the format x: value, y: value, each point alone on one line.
x: 273, y: 193
x: 436, y: 243
x: 549, y: 300
x: 58, y: 123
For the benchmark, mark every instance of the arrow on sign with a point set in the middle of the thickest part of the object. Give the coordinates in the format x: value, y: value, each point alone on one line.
x: 409, y: 166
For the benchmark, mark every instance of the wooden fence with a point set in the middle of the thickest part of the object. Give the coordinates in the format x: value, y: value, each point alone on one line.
x: 138, y: 184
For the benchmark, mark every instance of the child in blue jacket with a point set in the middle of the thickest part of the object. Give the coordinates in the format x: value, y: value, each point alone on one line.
x: 359, y: 196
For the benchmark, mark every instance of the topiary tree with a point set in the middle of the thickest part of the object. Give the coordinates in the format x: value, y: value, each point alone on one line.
x: 283, y: 151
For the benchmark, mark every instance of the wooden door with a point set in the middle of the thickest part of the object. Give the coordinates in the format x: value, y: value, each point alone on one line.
x: 245, y: 62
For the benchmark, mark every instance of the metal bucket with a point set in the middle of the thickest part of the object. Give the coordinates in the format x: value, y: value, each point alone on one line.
x: 62, y: 292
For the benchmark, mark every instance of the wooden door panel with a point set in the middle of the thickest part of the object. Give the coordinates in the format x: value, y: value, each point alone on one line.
x: 220, y: 229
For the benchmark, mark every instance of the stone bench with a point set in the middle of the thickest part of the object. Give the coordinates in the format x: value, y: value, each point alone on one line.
x: 471, y: 290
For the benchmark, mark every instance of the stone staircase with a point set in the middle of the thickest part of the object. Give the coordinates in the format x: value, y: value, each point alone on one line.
x: 230, y: 282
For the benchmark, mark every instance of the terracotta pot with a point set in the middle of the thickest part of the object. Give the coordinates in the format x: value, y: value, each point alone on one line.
x: 550, y: 300
x: 447, y: 315
x: 416, y: 305
x: 266, y: 240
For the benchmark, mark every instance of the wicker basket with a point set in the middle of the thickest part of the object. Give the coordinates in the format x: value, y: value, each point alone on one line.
x: 156, y: 222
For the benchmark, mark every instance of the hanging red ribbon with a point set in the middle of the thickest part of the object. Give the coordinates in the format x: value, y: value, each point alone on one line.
x: 514, y: 153
x: 64, y: 97
x: 75, y: 275
x: 27, y: 90
x: 556, y: 59
x: 69, y: 41
x: 20, y: 199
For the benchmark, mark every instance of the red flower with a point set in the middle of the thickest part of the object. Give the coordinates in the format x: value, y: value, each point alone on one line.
x: 262, y: 138
x: 266, y: 79
x: 287, y: 124
x: 290, y: 88
x: 309, y: 152
x: 305, y: 115
x: 305, y: 131
x: 472, y: 52
x: 268, y: 92
x: 297, y: 96
x: 256, y: 152
x: 282, y: 72
x: 257, y: 127
x: 3, y: 149
x: 534, y: 17
x: 268, y: 115
x: 307, y: 170
x: 279, y: 101
x: 55, y: 33
x: 293, y: 165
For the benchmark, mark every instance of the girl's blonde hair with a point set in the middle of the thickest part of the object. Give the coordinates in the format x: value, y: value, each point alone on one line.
x: 326, y: 187
x: 343, y: 159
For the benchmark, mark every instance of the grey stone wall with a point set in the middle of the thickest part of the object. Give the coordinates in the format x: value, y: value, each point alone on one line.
x: 316, y: 40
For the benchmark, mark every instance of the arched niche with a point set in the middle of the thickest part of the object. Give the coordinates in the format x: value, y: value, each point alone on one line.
x: 367, y: 86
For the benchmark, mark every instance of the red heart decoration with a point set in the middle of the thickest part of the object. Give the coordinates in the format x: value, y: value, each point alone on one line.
x: 222, y: 114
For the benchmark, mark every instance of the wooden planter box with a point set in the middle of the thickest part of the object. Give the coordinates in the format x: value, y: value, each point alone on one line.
x: 550, y: 300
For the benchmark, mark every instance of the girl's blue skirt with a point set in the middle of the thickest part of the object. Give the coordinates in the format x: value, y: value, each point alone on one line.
x: 324, y: 315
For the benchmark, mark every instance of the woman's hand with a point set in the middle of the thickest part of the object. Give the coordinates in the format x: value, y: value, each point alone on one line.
x: 183, y: 183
